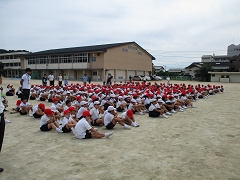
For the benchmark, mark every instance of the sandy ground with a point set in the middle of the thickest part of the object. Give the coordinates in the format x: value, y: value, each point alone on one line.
x: 200, y: 143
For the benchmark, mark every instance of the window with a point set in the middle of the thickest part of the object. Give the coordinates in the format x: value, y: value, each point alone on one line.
x: 31, y: 60
x: 43, y: 60
x: 132, y: 47
x: 94, y: 73
x: 82, y: 57
x: 93, y: 59
x: 213, y: 75
x: 53, y: 59
x: 222, y: 76
x: 139, y: 53
x: 124, y: 50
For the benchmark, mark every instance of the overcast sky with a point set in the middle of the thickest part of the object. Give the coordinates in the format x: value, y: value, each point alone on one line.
x: 175, y: 32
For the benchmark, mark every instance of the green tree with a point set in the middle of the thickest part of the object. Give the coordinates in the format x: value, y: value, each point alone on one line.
x: 202, y: 72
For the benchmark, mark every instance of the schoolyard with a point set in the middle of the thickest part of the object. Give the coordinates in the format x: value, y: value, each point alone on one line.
x: 199, y: 143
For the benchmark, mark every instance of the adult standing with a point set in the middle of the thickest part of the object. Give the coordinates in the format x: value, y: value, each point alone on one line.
x: 44, y: 80
x: 65, y: 79
x: 25, y: 83
x: 85, y: 79
x: 130, y: 78
x: 2, y: 121
x: 51, y: 79
x: 89, y: 79
x: 60, y: 79
x: 168, y: 80
x: 109, y: 79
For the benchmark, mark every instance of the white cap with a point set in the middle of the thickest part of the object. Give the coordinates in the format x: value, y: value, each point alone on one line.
x: 112, y: 95
x: 83, y: 103
x: 152, y: 100
x: 110, y: 108
x: 160, y: 100
x: 133, y: 100
x: 96, y: 102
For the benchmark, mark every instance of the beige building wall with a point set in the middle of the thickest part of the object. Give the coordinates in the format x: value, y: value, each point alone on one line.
x: 131, y: 60
x: 99, y: 63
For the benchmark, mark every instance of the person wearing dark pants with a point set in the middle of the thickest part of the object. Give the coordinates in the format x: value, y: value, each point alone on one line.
x: 2, y: 121
x: 2, y: 129
x: 25, y: 82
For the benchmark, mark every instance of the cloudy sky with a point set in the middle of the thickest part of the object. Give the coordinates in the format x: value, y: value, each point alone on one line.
x: 175, y: 32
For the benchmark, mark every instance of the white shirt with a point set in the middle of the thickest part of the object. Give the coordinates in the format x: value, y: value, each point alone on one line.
x: 95, y: 113
x: 108, y: 118
x: 124, y: 115
x: 51, y: 77
x: 81, y: 127
x: 80, y: 111
x: 2, y: 107
x: 44, y: 120
x: 22, y: 104
x: 152, y: 107
x: 66, y: 120
x: 35, y: 108
x: 59, y: 78
x: 55, y: 106
x: 26, y: 81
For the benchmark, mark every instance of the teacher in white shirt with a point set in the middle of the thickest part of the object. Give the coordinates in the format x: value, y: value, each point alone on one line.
x: 25, y: 83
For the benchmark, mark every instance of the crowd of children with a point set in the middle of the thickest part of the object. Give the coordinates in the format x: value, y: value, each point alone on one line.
x: 78, y: 108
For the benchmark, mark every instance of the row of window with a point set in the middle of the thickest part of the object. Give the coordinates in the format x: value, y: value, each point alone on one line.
x: 55, y: 59
x: 132, y: 47
x: 11, y: 64
x: 7, y: 57
x: 126, y: 50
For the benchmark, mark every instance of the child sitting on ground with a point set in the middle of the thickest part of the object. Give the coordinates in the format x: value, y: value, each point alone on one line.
x: 68, y: 123
x: 38, y: 110
x: 17, y: 109
x: 25, y: 107
x: 129, y: 119
x: 84, y: 131
x: 48, y: 121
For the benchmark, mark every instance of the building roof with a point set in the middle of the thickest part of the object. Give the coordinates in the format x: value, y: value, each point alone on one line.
x: 176, y: 70
x: 214, y: 65
x: 206, y: 56
x: 84, y: 49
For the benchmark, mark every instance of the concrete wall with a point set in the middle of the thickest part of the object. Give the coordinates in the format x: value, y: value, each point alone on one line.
x: 233, y: 77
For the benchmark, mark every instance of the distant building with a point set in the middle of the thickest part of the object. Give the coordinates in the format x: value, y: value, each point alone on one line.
x: 218, y: 63
x: 119, y: 59
x: 12, y: 64
x: 158, y: 69
x: 233, y: 50
x: 217, y: 66
x: 179, y: 71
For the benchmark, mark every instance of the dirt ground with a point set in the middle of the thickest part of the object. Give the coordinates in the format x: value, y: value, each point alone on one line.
x: 199, y: 143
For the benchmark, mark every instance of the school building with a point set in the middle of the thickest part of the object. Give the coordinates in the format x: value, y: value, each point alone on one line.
x: 119, y: 59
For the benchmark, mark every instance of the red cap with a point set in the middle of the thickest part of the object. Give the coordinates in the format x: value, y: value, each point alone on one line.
x: 41, y: 105
x: 130, y: 113
x: 18, y: 102
x: 49, y: 112
x: 54, y: 99
x: 94, y: 98
x: 71, y: 108
x: 66, y: 112
x: 79, y: 97
x: 86, y: 113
